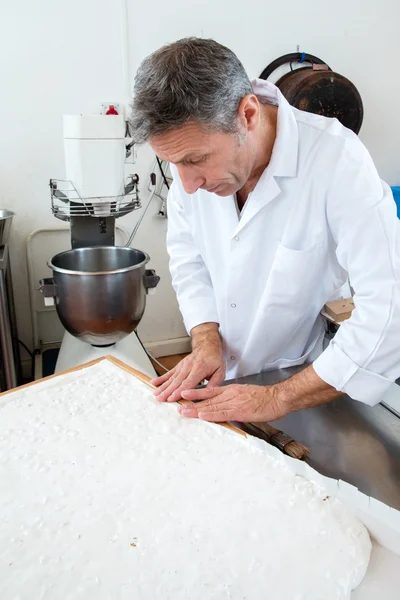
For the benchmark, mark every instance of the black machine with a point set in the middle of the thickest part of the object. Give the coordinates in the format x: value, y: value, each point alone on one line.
x: 313, y: 86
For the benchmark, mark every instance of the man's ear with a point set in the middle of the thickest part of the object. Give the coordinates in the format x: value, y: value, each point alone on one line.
x: 249, y: 112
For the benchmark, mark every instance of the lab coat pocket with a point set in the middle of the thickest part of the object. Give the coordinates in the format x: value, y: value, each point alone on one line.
x: 284, y: 363
x: 292, y: 297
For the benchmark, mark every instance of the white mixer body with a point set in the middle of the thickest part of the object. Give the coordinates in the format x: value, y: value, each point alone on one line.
x: 95, y: 147
x: 74, y: 352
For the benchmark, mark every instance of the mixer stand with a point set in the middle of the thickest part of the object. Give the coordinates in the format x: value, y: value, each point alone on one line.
x: 74, y: 352
x: 93, y: 195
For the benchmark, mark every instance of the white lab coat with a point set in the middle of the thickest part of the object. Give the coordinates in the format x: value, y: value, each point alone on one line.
x: 318, y: 215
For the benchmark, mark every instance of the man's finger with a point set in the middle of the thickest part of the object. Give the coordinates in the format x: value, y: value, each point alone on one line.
x: 203, y: 394
x: 165, y: 391
x: 215, y: 404
x: 219, y: 416
x: 215, y: 379
x: 162, y: 379
x: 212, y: 413
x: 193, y: 378
x: 165, y: 385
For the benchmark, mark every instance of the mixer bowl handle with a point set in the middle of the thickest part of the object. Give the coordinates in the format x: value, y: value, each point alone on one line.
x: 49, y: 290
x: 150, y: 281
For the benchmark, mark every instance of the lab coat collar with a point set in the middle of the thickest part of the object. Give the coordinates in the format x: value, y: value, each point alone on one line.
x: 283, y: 161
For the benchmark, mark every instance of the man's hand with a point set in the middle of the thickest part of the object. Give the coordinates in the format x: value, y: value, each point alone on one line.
x: 206, y: 361
x: 236, y: 402
x: 252, y: 403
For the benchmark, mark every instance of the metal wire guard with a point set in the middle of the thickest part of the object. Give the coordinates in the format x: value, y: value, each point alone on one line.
x: 66, y: 201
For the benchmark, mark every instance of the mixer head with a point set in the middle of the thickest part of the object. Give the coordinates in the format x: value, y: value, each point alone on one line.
x: 95, y: 186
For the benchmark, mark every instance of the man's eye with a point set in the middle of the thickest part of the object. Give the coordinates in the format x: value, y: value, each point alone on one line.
x: 197, y: 161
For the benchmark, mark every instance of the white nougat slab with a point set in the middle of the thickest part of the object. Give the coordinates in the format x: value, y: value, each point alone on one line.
x: 106, y: 493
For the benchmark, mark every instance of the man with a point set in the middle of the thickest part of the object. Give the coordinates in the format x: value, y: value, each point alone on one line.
x: 271, y: 211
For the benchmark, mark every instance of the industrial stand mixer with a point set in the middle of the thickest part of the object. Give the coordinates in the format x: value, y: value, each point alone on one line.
x: 99, y: 289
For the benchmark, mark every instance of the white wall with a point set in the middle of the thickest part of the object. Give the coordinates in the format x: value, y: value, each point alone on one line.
x: 56, y: 58
x: 357, y: 38
x: 64, y: 57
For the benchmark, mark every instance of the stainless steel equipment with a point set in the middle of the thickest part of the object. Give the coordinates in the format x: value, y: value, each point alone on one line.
x: 100, y: 292
x: 349, y: 440
x: 8, y: 327
x: 6, y: 217
x: 95, y: 191
x: 68, y: 205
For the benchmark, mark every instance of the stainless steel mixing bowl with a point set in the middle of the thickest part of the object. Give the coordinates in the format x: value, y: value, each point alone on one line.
x: 100, y: 292
x: 6, y: 217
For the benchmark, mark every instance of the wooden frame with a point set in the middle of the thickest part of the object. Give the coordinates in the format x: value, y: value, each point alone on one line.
x: 119, y: 363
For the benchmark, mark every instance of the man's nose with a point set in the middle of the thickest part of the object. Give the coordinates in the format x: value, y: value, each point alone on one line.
x: 191, y: 181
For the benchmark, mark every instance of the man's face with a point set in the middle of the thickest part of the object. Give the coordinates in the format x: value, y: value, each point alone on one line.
x: 215, y: 162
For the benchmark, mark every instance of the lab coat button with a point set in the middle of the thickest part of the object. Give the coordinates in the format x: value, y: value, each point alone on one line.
x: 233, y: 357
x: 233, y: 305
x: 236, y: 238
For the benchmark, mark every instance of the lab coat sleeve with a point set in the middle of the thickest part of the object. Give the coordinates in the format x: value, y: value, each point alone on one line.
x: 363, y: 359
x: 190, y: 277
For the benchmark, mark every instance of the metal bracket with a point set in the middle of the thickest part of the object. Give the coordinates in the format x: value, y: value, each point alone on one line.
x: 48, y: 287
x: 150, y: 281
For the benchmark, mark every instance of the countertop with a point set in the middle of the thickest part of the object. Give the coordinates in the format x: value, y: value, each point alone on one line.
x: 348, y: 440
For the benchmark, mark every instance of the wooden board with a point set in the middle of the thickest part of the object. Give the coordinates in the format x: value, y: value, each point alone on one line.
x: 147, y: 380
x: 340, y: 310
x: 119, y: 363
x: 32, y: 383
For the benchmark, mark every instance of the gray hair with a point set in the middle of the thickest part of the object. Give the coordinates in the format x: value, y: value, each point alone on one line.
x: 190, y: 80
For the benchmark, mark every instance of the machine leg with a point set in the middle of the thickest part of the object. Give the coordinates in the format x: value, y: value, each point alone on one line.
x: 13, y: 321
x: 6, y: 337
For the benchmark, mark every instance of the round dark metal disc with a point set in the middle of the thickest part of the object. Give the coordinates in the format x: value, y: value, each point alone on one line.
x: 324, y: 93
